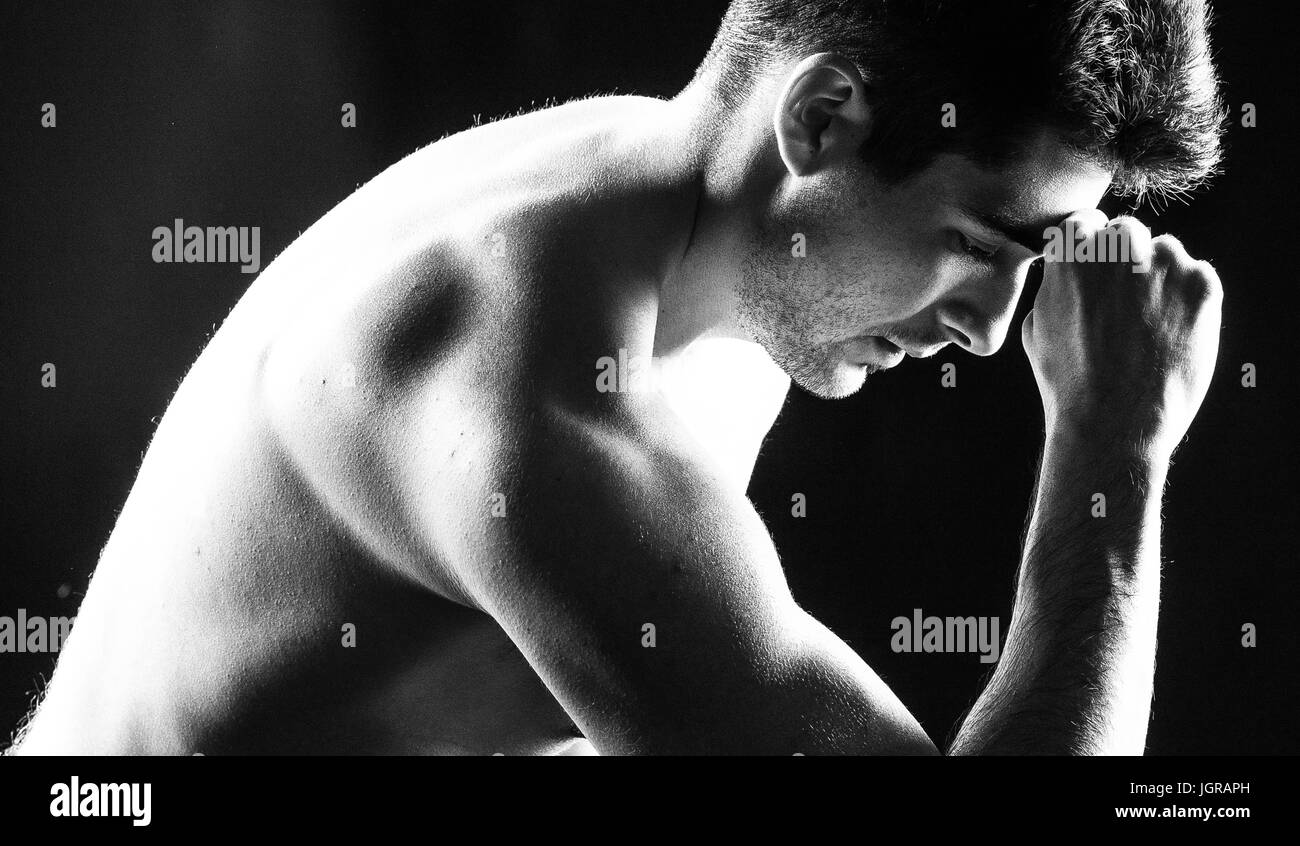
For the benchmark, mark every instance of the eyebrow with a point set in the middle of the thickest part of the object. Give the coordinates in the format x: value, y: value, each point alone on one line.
x: 1027, y: 235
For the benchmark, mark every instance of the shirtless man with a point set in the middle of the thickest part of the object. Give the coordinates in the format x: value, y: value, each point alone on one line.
x: 389, y: 510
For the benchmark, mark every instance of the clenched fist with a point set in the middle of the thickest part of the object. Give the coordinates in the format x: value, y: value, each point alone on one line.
x: 1123, y: 347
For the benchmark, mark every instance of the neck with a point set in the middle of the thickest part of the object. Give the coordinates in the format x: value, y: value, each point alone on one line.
x: 718, y: 381
x: 697, y: 299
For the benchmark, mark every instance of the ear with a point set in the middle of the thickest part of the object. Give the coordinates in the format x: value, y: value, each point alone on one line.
x: 821, y: 115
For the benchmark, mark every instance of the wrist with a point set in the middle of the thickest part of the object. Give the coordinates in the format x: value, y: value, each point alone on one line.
x: 1112, y: 487
x: 1130, y: 470
x: 1143, y: 447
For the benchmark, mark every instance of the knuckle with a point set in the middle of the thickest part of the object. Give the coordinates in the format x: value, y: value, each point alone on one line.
x: 1084, y: 214
x: 1170, y: 248
x: 1213, y: 287
x: 1127, y: 223
x: 1132, y: 238
x: 1207, y: 270
x: 1086, y: 220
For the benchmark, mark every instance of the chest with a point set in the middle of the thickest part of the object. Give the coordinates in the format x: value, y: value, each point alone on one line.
x: 728, y: 394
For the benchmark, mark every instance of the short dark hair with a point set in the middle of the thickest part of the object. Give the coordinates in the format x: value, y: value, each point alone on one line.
x: 1128, y: 83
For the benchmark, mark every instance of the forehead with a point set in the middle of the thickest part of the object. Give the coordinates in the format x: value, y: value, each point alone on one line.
x: 1046, y: 183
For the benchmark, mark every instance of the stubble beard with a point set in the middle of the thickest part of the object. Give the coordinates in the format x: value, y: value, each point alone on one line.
x: 778, y: 308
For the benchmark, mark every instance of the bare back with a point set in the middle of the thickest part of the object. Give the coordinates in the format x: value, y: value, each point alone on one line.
x: 263, y: 589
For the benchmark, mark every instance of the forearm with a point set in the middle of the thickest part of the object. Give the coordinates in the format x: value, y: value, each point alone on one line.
x: 1076, y: 670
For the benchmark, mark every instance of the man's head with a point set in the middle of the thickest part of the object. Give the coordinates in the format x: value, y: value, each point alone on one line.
x: 925, y: 145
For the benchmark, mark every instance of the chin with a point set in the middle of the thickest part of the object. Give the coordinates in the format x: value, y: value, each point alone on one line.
x: 837, y: 382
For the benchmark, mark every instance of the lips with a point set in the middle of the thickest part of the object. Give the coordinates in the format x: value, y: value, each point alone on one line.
x: 921, y: 348
x: 873, y: 351
x: 887, y: 354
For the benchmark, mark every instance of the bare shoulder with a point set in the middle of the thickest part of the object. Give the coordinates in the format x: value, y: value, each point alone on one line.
x: 430, y: 328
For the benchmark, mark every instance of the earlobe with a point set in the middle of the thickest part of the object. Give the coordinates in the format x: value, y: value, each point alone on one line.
x: 821, y: 114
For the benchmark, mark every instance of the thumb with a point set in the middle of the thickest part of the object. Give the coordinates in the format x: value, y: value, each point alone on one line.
x: 1027, y: 330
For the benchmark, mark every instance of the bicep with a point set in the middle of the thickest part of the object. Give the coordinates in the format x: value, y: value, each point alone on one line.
x: 650, y: 600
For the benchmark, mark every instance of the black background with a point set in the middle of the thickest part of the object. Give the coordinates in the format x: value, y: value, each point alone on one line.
x: 227, y: 113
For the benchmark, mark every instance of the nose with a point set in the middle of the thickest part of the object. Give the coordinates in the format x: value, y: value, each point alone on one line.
x: 979, y: 314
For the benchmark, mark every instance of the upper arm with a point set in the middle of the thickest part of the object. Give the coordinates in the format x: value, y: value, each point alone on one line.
x: 650, y: 600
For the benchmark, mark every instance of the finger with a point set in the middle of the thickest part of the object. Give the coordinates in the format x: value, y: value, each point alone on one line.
x: 1056, y: 295
x: 1134, y: 242
x: 1084, y: 223
x: 1181, y: 278
x: 1170, y: 250
x: 1213, y: 286
x: 1090, y: 219
x: 1062, y: 240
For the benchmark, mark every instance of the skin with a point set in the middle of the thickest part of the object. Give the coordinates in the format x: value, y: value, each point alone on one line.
x: 398, y: 429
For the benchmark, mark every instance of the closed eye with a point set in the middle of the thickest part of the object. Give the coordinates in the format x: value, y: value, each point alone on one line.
x: 977, y: 250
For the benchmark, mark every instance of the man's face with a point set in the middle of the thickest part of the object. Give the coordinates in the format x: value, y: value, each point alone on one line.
x: 906, y: 270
